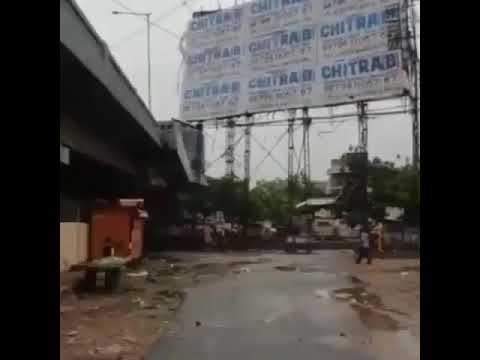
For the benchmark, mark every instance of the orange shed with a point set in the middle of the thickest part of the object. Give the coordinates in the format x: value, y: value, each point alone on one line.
x: 119, y: 226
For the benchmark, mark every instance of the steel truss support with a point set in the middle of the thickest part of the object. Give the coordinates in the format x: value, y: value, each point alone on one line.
x: 229, y: 144
x: 362, y: 126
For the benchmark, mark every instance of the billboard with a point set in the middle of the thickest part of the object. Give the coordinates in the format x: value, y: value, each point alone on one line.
x: 268, y: 55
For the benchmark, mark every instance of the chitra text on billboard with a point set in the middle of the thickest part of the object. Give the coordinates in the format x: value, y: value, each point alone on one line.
x: 270, y: 55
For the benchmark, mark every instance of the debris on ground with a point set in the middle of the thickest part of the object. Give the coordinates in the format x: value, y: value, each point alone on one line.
x: 343, y: 296
x: 72, y: 333
x: 342, y: 334
x: 198, y: 323
x: 65, y: 309
x: 110, y: 350
x: 286, y: 268
x: 404, y: 273
x: 138, y: 301
x: 151, y: 279
x: 321, y: 293
x: 108, y: 262
x: 129, y: 339
x: 138, y: 274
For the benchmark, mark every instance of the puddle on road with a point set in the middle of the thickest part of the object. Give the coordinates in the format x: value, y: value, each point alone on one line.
x: 312, y: 269
x: 359, y: 294
x: 369, y: 307
x: 286, y: 268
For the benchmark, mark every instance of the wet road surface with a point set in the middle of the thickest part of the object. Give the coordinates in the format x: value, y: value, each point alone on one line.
x: 285, y: 307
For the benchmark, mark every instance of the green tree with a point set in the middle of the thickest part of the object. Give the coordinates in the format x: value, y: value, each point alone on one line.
x: 394, y: 186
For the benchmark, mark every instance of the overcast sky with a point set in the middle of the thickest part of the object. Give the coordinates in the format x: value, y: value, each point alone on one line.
x: 126, y: 36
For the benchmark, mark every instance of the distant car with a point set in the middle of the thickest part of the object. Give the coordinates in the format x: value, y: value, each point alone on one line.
x: 254, y: 230
x: 298, y: 242
x: 324, y: 229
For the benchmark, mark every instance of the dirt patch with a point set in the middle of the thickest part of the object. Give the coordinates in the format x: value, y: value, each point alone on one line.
x: 401, y: 254
x: 312, y: 269
x: 403, y: 269
x: 375, y: 320
x: 394, y: 311
x: 172, y: 269
x: 203, y: 266
x: 248, y: 262
x: 359, y: 295
x: 164, y: 258
x: 138, y: 312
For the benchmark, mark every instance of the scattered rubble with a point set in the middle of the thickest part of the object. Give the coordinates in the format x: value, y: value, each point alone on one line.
x: 65, y: 308
x: 286, y: 268
x: 138, y: 274
x: 130, y: 339
x: 110, y: 350
x: 342, y: 296
x: 321, y: 293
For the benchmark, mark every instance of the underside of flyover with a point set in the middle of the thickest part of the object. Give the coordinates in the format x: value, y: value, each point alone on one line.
x: 110, y: 152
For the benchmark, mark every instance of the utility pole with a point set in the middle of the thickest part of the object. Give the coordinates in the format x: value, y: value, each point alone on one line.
x: 306, y: 121
x: 362, y: 126
x: 229, y: 154
x: 291, y: 149
x: 246, y: 161
x: 149, y: 64
x: 200, y: 163
x: 246, y: 156
x: 412, y: 36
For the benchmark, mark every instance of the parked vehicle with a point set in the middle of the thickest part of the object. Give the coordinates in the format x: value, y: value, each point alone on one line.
x: 259, y: 230
x: 299, y: 242
x: 324, y: 229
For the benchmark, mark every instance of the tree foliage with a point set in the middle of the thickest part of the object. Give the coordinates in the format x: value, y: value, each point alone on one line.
x: 394, y: 186
x: 391, y: 186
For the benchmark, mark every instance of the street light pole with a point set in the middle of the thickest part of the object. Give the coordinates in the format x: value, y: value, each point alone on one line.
x: 147, y: 16
x: 149, y: 64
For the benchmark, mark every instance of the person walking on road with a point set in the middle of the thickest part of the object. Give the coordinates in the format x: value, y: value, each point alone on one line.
x: 365, y: 250
x: 380, y: 236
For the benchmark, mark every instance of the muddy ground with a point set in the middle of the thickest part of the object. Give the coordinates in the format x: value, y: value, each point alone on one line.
x: 122, y: 325
x: 385, y: 296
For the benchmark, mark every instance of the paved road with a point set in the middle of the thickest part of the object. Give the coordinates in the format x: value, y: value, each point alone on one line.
x: 267, y: 313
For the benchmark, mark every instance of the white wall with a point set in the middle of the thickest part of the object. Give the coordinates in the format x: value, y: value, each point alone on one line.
x: 73, y: 244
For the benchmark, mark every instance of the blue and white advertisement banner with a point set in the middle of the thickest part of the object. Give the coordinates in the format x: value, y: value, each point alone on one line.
x: 281, y: 89
x: 212, y: 98
x: 271, y: 55
x: 361, y: 77
x: 289, y: 47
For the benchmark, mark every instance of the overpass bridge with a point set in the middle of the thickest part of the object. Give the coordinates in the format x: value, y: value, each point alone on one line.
x: 110, y: 144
